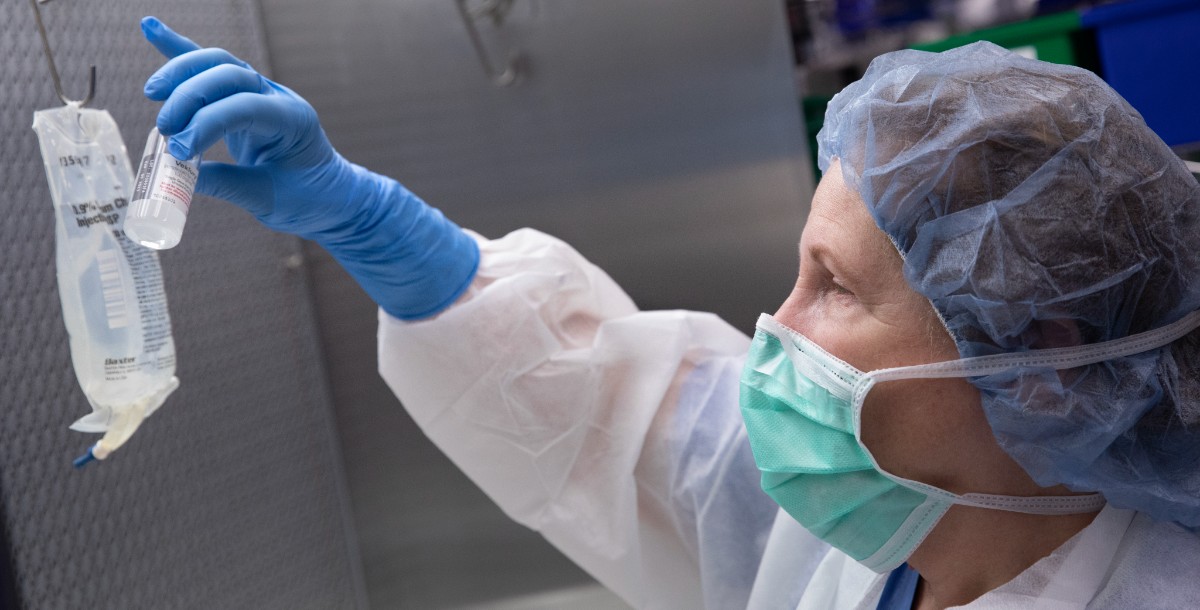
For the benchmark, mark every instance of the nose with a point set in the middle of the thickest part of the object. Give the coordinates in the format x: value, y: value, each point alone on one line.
x: 793, y: 312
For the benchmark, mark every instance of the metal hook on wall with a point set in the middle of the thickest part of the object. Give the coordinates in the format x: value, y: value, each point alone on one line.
x: 58, y: 88
x: 496, y: 11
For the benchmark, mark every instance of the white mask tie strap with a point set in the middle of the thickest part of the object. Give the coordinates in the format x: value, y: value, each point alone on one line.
x: 1057, y: 358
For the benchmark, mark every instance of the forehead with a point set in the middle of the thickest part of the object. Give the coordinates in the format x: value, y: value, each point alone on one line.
x: 840, y: 226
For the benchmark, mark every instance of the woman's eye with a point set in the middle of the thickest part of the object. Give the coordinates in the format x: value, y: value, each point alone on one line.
x: 839, y: 288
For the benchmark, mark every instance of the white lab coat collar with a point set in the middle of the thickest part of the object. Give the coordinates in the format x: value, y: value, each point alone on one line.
x: 1074, y: 573
x: 1067, y: 579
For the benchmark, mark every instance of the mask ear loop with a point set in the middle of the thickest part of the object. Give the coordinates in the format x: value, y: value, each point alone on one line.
x: 1036, y: 505
x: 1055, y: 358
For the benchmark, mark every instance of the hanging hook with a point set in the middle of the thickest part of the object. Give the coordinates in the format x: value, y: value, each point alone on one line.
x: 495, y: 9
x: 58, y: 88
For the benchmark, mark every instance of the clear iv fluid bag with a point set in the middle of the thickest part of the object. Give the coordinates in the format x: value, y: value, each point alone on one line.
x: 162, y: 195
x: 113, y: 299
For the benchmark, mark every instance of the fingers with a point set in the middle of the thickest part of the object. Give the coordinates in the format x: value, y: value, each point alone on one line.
x: 162, y: 83
x: 187, y: 59
x: 252, y: 113
x: 249, y: 188
x: 165, y: 39
x: 208, y: 87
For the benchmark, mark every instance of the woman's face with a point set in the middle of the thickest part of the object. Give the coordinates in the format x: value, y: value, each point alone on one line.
x: 851, y: 299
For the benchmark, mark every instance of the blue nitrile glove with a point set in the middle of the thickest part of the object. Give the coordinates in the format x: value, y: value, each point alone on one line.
x: 408, y: 257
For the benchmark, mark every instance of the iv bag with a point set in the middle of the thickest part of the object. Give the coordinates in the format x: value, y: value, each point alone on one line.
x: 113, y: 300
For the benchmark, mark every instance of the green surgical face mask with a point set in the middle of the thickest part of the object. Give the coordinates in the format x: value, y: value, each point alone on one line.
x: 803, y: 406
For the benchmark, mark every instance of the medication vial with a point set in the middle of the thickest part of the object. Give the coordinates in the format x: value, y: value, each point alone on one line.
x: 162, y: 195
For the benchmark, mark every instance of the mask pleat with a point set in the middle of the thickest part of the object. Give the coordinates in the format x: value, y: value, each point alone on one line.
x: 800, y: 444
x: 856, y: 512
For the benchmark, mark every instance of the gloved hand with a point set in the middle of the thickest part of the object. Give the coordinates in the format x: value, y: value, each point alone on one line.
x: 408, y: 257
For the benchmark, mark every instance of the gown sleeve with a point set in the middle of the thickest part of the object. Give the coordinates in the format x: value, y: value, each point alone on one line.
x: 615, y: 433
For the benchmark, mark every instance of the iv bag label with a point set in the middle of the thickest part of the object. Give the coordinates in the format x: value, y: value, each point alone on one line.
x: 158, y: 353
x: 119, y: 369
x: 151, y: 299
x: 82, y: 216
x: 112, y: 288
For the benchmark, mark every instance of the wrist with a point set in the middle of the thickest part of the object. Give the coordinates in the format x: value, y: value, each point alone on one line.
x: 409, y: 258
x: 348, y: 197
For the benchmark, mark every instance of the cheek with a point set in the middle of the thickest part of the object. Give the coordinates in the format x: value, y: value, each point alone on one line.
x: 928, y: 430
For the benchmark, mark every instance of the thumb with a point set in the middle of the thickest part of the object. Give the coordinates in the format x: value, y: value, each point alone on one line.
x: 249, y: 188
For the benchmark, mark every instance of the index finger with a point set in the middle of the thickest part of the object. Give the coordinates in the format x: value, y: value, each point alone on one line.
x: 165, y: 39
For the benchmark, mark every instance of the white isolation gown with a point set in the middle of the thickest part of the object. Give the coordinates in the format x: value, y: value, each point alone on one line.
x: 616, y: 433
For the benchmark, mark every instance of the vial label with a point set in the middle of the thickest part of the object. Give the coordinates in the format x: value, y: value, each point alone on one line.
x: 164, y: 178
x: 145, y: 175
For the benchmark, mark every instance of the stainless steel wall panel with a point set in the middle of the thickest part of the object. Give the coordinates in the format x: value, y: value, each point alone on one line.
x: 663, y: 139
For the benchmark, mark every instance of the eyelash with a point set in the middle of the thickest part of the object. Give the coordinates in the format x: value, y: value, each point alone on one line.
x: 827, y: 285
x: 838, y: 288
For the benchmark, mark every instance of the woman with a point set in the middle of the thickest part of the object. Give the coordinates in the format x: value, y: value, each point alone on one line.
x: 982, y: 217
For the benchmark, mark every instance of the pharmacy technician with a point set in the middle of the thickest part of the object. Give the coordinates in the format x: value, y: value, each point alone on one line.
x: 983, y: 390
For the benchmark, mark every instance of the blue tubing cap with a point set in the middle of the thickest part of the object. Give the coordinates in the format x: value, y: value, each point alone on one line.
x: 83, y: 460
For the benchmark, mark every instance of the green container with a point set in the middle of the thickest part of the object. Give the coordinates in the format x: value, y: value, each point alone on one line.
x: 1046, y: 38
x: 1058, y: 38
x: 814, y: 117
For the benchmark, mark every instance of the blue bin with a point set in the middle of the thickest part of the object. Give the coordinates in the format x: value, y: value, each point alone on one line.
x: 1149, y: 51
